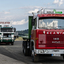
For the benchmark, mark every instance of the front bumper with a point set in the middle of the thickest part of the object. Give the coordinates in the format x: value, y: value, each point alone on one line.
x: 5, y: 40
x: 49, y: 51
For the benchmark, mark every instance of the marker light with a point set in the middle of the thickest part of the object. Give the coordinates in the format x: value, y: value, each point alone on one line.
x: 36, y: 38
x: 44, y: 32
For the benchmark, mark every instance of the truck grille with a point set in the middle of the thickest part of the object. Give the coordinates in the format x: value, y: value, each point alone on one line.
x: 55, y: 40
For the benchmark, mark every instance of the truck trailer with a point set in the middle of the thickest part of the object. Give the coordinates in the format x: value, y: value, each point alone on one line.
x: 46, y: 34
x: 7, y: 33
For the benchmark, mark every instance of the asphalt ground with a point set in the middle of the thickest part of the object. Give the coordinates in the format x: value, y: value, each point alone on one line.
x: 12, y: 54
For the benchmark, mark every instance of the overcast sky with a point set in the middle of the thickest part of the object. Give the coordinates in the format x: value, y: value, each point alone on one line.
x: 17, y: 11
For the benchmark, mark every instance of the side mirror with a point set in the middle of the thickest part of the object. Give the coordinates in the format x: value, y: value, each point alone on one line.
x: 33, y: 22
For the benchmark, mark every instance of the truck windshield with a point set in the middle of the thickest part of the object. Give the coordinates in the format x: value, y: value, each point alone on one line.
x: 51, y: 23
x: 6, y: 30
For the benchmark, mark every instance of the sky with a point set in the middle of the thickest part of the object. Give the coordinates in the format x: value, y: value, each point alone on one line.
x: 17, y: 11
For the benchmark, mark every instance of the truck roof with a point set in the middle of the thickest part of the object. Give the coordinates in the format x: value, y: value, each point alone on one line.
x: 47, y: 12
x: 50, y: 15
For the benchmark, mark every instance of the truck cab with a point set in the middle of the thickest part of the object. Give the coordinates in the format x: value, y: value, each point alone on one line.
x: 7, y: 33
x: 47, y: 33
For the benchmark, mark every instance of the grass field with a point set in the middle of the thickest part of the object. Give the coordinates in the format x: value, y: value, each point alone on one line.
x: 19, y: 39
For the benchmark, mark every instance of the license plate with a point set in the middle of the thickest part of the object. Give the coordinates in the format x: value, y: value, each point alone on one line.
x: 56, y: 55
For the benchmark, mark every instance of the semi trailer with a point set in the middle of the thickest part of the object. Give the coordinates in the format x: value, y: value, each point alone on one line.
x: 7, y: 33
x: 46, y: 34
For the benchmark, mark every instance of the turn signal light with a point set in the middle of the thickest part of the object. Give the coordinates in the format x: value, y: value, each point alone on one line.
x: 36, y: 38
x: 44, y: 32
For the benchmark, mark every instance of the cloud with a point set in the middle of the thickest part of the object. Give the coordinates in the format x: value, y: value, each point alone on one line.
x: 6, y: 12
x: 19, y: 22
x: 56, y: 1
x: 5, y: 18
x: 35, y: 11
x: 59, y: 2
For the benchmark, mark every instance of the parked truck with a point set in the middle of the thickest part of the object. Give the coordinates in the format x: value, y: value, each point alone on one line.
x: 46, y: 34
x: 7, y: 33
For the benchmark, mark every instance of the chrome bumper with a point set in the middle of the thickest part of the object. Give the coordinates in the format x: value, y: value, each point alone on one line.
x: 49, y: 51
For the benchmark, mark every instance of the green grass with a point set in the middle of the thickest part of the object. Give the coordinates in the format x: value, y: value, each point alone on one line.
x: 19, y: 39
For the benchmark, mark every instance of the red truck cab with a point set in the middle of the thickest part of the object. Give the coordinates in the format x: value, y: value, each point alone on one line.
x: 47, y: 35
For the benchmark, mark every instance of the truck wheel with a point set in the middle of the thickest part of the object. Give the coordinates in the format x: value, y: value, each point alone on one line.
x: 35, y: 58
x: 63, y: 56
x: 24, y: 45
x: 12, y: 43
x: 25, y: 51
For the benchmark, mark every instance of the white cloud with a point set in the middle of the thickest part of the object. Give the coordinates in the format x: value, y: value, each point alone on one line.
x: 56, y: 1
x: 5, y: 18
x: 35, y: 11
x: 59, y: 2
x: 6, y: 12
x: 19, y: 22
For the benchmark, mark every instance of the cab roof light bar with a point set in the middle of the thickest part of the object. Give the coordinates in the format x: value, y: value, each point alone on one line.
x: 48, y: 11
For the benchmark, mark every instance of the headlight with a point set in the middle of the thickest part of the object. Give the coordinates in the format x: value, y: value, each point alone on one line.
x: 41, y: 51
x: 45, y: 51
x: 12, y: 35
x: 36, y: 51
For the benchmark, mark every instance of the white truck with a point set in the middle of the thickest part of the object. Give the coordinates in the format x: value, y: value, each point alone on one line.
x: 7, y: 33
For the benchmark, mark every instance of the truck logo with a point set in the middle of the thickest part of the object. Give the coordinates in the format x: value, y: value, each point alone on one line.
x: 54, y: 32
x: 55, y: 38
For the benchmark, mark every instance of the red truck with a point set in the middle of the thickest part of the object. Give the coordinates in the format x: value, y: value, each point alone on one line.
x: 46, y: 34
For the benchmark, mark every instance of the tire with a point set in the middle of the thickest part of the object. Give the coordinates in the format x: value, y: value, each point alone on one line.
x: 35, y: 58
x: 63, y: 57
x: 26, y: 51
x: 12, y: 43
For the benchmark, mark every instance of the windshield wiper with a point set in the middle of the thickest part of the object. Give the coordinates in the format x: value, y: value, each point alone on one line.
x: 61, y: 27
